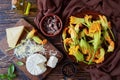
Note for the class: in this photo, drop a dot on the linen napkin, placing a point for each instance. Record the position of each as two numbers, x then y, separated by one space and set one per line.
110 68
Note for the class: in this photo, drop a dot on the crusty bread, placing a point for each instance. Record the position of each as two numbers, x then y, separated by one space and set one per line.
13 35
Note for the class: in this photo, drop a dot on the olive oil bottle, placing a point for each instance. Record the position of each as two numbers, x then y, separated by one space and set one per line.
24 7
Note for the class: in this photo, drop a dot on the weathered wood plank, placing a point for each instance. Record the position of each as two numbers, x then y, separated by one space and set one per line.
5 1
5 7
4 26
2 35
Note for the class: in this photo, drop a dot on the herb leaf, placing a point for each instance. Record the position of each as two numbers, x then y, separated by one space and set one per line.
10 75
19 63
11 69
3 76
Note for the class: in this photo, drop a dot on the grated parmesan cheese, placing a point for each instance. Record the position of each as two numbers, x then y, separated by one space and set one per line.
28 48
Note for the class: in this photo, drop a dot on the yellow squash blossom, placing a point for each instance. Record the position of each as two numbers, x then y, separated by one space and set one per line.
106 25
100 56
74 50
109 40
88 19
77 28
96 38
31 34
73 35
38 40
76 20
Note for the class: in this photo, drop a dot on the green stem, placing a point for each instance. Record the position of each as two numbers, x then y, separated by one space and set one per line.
16 46
79 57
27 11
90 61
111 34
26 30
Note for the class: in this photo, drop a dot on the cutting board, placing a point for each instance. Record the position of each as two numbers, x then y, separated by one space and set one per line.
48 46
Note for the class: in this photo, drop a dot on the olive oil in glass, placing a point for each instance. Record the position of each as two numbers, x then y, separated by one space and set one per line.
24 7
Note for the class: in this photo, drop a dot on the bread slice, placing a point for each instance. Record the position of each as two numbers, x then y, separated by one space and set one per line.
13 35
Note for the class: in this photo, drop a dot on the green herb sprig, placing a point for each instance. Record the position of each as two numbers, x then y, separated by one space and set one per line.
19 63
10 75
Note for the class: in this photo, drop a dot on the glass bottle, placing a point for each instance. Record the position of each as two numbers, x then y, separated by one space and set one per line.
24 7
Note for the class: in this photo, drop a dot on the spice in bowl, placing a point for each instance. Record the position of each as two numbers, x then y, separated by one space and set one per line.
69 69
50 25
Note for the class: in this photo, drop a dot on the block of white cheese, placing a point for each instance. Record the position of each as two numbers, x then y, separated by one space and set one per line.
35 64
13 35
52 61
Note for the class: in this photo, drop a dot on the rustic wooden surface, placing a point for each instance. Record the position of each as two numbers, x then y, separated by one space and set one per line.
8 19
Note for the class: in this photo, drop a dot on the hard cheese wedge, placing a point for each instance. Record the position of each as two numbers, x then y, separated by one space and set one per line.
13 35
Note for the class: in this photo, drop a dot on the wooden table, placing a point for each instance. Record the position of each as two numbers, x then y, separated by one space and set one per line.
8 19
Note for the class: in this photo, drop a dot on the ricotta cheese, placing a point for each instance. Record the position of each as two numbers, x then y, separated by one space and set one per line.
52 61
35 64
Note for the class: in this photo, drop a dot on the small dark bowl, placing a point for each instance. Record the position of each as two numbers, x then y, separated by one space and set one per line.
69 69
50 25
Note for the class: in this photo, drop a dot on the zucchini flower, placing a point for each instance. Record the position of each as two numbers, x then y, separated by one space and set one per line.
111 47
106 25
73 35
96 38
104 22
88 20
96 35
97 41
89 55
87 33
82 34
85 47
66 42
100 56
31 34
95 27
38 40
44 41
64 34
74 50
109 40
77 28
76 20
